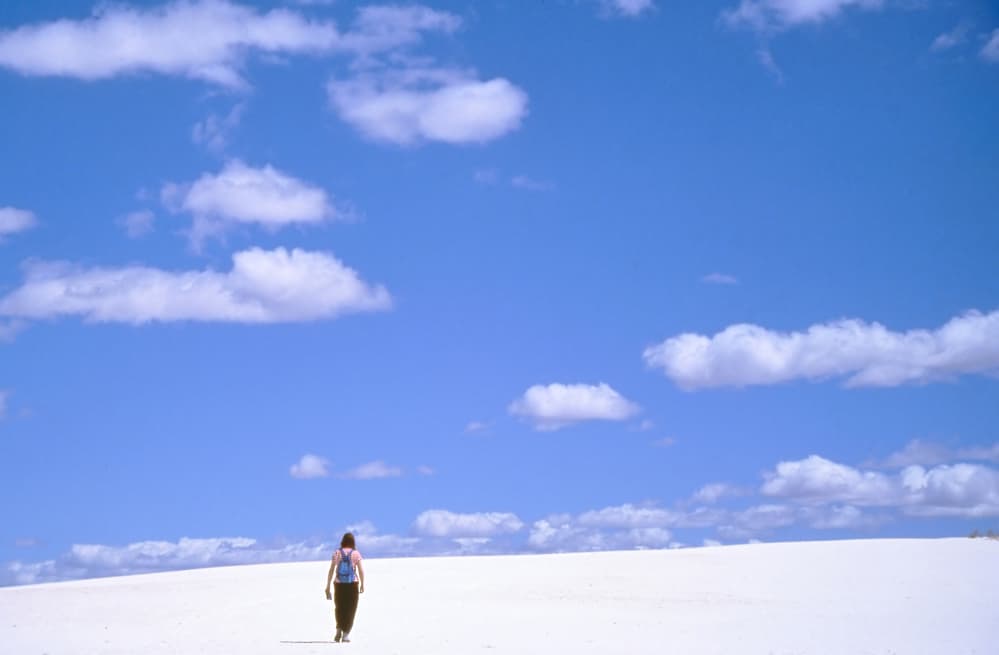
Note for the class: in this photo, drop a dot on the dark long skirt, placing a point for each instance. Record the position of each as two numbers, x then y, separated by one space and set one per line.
345 597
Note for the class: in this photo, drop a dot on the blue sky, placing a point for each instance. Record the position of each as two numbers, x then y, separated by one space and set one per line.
492 277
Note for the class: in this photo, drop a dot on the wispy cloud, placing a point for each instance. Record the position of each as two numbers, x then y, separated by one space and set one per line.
137 224
476 426
13 221
627 8
867 354
373 471
776 15
3 403
951 38
309 467
927 453
990 51
554 406
213 132
529 183
719 278
264 286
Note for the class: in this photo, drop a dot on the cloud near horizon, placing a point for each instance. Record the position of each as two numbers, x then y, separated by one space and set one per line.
965 490
555 406
443 523
263 286
866 354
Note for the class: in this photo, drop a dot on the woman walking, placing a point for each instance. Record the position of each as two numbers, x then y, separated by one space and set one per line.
348 570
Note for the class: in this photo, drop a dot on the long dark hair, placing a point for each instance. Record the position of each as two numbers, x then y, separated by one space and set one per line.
347 541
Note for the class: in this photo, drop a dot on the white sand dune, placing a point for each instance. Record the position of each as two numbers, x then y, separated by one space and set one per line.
905 597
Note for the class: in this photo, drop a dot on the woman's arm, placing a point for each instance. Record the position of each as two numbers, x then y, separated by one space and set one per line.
360 575
329 577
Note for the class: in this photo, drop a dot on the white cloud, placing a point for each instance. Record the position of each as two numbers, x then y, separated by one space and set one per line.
137 224
13 221
868 354
10 329
712 493
442 523
476 426
842 517
629 8
486 176
711 543
309 467
380 28
628 516
950 39
775 15
719 278
757 519
529 184
199 39
214 131
945 490
241 194
819 479
373 471
561 533
414 105
426 470
990 51
554 406
264 286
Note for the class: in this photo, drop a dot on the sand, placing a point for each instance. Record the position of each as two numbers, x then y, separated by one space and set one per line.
905 597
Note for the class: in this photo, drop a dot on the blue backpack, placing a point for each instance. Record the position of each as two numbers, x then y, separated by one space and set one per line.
345 569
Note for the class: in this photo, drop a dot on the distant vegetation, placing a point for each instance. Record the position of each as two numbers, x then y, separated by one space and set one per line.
975 534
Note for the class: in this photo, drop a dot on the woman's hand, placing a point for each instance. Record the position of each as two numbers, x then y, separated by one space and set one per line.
361 590
329 596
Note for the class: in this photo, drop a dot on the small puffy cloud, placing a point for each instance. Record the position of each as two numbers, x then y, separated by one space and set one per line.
415 105
777 15
309 467
719 278
990 51
442 523
628 8
867 354
137 224
373 471
950 39
712 493
206 40
213 132
554 406
13 221
241 194
264 286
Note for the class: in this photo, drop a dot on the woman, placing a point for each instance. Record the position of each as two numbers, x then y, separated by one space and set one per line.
347 568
